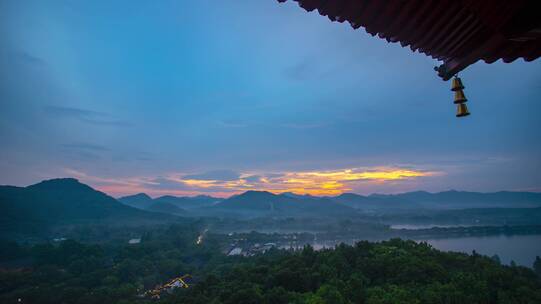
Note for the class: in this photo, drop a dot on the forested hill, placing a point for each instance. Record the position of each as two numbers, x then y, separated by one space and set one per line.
263 203
393 271
441 200
34 208
168 203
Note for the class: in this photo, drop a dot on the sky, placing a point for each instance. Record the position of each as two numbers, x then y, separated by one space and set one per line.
219 97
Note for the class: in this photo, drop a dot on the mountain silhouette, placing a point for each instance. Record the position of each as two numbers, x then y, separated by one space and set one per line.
140 200
164 207
462 199
143 201
61 201
263 203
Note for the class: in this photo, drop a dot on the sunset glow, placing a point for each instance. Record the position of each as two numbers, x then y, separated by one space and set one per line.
319 183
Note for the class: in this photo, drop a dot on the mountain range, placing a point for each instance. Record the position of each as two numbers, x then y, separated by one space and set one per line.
262 203
67 200
247 204
463 199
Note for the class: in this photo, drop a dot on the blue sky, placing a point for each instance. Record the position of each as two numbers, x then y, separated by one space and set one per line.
187 97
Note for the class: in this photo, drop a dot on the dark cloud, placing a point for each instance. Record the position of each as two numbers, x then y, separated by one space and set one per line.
167 184
221 175
83 151
303 125
82 155
85 146
232 124
300 71
27 58
253 178
143 156
274 175
86 116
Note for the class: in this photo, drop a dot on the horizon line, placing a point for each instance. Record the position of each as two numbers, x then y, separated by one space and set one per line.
269 191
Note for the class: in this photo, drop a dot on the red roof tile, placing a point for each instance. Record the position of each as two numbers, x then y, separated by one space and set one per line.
458 32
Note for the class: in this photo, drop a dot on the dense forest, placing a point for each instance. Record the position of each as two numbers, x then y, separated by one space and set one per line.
393 271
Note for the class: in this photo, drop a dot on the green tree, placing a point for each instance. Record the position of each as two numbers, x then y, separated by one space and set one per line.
277 295
330 294
537 266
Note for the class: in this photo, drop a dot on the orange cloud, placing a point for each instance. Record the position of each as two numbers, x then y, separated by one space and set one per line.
313 182
319 183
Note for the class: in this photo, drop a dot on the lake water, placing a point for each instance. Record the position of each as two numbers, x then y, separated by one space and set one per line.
417 227
519 248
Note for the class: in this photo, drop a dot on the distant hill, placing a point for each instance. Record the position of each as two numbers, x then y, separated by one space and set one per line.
262 203
187 203
61 201
174 204
465 217
375 203
421 200
164 207
466 200
291 194
140 200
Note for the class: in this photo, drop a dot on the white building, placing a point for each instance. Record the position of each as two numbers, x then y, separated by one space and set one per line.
235 251
134 241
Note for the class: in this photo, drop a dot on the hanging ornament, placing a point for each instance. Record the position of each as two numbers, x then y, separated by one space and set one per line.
462 110
460 97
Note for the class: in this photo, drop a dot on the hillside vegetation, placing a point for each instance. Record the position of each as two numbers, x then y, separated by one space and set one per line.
394 271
